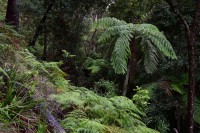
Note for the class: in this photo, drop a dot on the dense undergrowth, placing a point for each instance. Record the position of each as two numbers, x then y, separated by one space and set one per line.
27 82
81 93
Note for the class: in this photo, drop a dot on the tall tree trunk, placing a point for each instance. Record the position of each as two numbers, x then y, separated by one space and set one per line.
191 93
190 31
40 26
12 13
132 64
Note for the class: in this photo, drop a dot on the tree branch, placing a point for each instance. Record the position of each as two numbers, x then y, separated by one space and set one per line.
177 12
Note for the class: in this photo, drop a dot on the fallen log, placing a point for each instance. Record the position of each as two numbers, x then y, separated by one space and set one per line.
42 109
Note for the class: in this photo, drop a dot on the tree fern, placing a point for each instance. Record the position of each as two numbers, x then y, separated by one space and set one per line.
153 42
105 23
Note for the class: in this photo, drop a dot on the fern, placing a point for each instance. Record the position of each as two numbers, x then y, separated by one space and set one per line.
197 110
51 70
196 107
121 54
95 65
153 42
72 99
105 23
143 129
93 113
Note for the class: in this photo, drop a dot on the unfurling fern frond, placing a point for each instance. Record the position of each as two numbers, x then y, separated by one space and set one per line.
153 41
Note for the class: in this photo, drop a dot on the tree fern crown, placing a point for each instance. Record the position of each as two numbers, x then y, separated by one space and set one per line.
153 43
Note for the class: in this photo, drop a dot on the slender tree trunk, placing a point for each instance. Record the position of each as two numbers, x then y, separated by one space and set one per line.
190 31
44 56
191 93
12 13
125 87
40 26
132 67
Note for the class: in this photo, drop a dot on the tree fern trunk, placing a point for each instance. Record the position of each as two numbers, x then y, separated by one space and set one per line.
125 87
132 67
133 61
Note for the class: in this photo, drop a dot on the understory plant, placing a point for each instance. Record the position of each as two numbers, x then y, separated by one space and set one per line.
91 113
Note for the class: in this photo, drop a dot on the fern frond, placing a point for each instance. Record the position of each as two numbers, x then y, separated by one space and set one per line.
105 23
69 99
114 31
92 126
150 59
121 54
125 103
143 129
156 43
151 33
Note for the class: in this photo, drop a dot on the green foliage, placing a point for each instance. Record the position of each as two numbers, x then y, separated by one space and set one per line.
95 65
67 54
163 126
41 127
23 83
197 110
135 11
2 10
196 107
93 113
2 17
9 36
152 41
178 83
141 97
28 61
15 98
160 104
98 110
105 88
